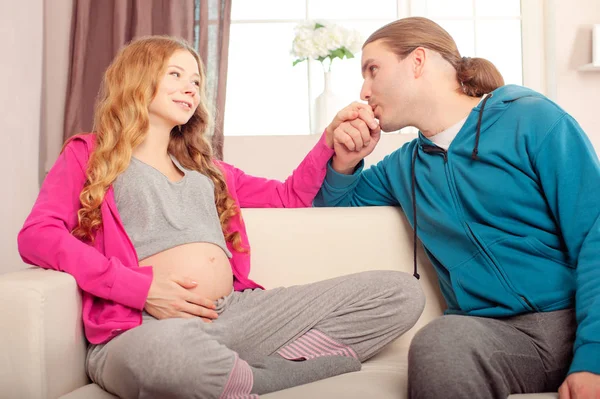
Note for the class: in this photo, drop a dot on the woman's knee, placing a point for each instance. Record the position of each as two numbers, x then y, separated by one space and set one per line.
386 281
401 294
163 360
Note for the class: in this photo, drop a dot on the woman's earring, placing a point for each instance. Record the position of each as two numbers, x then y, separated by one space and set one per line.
179 127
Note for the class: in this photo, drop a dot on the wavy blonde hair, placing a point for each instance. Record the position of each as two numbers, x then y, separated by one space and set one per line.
121 123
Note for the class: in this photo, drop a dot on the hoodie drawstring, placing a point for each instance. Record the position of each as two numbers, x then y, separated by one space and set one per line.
478 133
414 201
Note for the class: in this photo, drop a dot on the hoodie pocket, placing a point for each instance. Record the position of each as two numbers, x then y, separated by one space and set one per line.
535 271
548 252
480 291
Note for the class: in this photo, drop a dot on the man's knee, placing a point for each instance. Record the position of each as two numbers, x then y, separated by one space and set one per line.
445 339
433 356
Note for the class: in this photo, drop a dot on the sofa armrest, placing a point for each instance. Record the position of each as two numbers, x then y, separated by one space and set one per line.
42 345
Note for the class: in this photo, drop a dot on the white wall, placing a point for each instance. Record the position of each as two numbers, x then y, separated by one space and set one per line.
21 36
576 91
57 33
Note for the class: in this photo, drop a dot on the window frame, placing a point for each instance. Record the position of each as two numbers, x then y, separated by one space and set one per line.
536 63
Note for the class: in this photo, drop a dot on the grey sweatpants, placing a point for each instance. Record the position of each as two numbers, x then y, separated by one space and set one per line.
262 341
476 357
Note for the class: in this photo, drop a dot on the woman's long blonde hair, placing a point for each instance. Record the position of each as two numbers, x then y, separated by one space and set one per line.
121 123
477 76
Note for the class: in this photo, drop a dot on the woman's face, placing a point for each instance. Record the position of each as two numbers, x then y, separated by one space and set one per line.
177 95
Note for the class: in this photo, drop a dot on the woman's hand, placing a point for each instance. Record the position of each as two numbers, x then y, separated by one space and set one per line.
350 113
170 297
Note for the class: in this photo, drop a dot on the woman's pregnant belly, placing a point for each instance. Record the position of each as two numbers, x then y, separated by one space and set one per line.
203 262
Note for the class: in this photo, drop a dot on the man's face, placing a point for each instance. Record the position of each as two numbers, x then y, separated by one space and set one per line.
389 85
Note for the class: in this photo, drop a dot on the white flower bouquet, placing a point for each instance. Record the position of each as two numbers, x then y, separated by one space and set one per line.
324 41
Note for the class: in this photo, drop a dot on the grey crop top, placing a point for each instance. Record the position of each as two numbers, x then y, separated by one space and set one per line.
159 214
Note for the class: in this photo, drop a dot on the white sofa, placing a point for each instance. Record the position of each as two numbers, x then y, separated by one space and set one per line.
42 347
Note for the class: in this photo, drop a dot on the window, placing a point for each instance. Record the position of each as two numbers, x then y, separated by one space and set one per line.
489 29
266 95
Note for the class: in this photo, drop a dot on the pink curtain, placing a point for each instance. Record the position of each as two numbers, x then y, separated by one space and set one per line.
213 20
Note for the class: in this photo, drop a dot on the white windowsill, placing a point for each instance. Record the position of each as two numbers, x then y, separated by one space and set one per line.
589 67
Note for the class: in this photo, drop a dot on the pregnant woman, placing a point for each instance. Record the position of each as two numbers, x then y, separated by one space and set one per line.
149 225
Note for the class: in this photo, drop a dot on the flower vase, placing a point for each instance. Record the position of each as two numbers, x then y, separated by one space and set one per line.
325 107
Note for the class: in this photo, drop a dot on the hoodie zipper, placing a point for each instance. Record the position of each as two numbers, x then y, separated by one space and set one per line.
451 183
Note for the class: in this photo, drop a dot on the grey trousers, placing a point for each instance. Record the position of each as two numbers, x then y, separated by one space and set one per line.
476 357
262 341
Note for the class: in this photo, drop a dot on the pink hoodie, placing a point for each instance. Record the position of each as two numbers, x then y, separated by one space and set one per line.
114 285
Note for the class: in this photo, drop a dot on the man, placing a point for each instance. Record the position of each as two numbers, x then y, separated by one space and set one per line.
503 188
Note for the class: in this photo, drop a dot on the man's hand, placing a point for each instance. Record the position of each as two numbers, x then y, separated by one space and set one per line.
353 141
353 134
581 385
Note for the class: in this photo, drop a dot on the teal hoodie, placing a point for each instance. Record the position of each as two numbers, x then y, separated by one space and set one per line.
509 216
